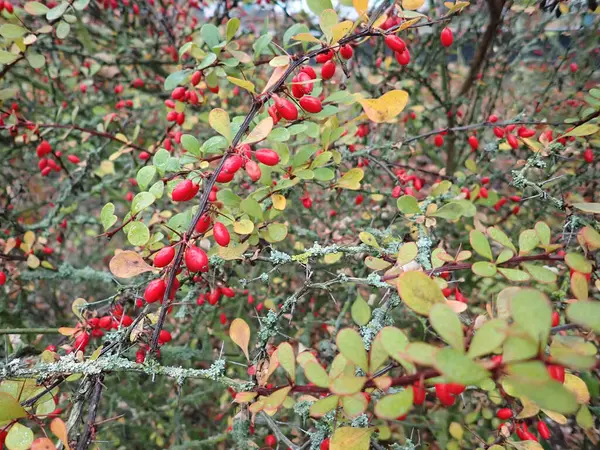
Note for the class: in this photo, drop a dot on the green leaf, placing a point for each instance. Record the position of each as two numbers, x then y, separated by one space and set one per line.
318 6
514 274
324 405
218 119
543 232
12 31
592 208
10 409
276 399
327 20
539 273
407 204
447 324
293 31
19 437
324 174
519 345
107 217
175 79
421 353
347 385
394 341
354 405
573 351
360 311
528 240
138 234
419 292
161 159
315 373
533 312
157 189
207 61
62 30
276 232
145 176
232 26
450 211
287 360
578 263
480 244
261 44
496 234
80 5
490 336
7 57
252 207
586 314
36 8
484 269
458 368
351 179
191 144
141 201
584 418
210 35
586 129
351 345
56 12
393 406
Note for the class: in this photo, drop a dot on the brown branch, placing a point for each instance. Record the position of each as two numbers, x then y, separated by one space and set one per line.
89 430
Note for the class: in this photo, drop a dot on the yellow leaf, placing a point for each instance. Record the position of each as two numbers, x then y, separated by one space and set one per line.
347 438
279 202
386 107
412 4
281 60
275 400
557 417
306 37
276 75
218 119
419 292
66 331
530 409
340 30
245 84
29 238
408 23
33 262
361 6
351 179
260 132
244 397
77 306
127 264
578 387
58 427
239 332
244 226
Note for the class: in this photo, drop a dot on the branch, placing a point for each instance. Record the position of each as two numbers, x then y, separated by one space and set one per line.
89 430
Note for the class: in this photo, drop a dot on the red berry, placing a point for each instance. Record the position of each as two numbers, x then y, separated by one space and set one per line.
418 393
196 259
512 141
322 58
555 318
403 58
543 430
43 149
81 341
74 159
253 170
106 322
346 51
196 77
588 155
223 318
499 132
164 336
267 156
328 70
443 394
2 278
557 372
504 414
155 291
573 67
308 70
270 440
184 191
446 37
474 143
286 109
203 223
483 192
221 234
178 93
307 202
438 141
525 132
324 444
394 43
311 104
232 164
455 388
164 256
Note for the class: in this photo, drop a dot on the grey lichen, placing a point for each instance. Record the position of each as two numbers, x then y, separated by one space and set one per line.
278 257
68 272
302 409
268 328
379 319
361 421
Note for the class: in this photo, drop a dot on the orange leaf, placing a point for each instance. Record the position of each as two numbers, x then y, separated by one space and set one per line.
42 444
127 264
58 427
239 332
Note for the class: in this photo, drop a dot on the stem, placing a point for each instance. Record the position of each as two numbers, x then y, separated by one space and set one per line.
29 331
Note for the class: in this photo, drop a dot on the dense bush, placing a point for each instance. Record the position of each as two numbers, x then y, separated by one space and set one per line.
349 226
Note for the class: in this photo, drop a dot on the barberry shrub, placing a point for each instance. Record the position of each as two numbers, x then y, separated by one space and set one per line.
371 224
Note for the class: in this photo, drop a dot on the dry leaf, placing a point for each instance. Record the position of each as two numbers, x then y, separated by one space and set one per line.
128 264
